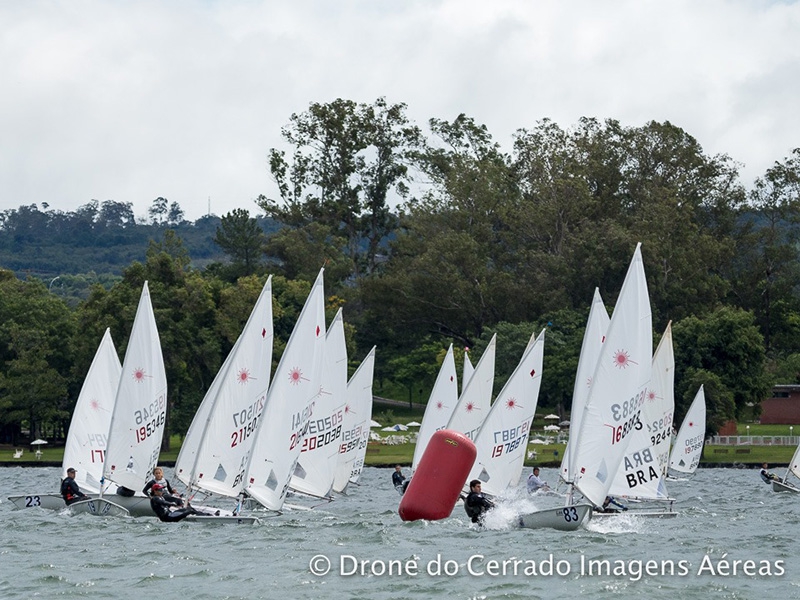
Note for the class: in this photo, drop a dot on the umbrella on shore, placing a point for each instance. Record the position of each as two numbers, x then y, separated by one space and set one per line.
551 416
552 428
38 442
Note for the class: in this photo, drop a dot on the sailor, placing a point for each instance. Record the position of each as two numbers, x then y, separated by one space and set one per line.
475 503
69 488
535 482
398 478
608 508
767 476
163 507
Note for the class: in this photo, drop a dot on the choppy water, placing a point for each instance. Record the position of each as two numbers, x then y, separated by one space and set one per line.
726 515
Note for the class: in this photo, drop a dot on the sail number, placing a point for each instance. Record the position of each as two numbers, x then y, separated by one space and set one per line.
570 514
626 409
145 431
246 420
351 440
619 432
241 434
149 412
501 449
247 414
318 441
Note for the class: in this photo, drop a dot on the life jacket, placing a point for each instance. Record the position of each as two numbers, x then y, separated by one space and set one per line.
66 489
473 510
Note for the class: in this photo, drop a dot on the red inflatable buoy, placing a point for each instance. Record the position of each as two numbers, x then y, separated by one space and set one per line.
439 478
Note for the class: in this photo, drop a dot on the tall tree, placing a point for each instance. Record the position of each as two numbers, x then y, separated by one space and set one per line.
769 272
241 238
349 159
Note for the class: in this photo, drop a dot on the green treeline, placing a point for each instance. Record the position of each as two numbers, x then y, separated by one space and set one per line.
429 238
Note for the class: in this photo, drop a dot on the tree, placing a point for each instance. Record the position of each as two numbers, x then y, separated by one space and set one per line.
768 270
241 238
348 159
158 211
726 342
175 214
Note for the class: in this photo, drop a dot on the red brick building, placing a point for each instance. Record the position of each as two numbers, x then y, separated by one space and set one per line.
783 408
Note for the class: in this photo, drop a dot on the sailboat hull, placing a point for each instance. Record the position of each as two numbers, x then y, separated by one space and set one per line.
780 486
136 506
567 518
662 514
223 519
99 507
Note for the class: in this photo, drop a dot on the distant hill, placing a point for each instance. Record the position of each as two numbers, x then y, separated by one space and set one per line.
70 252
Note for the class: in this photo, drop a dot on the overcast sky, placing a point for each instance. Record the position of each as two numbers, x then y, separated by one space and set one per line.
130 101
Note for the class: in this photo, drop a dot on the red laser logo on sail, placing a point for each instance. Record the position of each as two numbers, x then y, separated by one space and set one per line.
622 359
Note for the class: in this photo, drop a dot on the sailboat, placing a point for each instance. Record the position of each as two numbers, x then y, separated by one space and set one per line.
290 405
316 467
441 404
468 370
355 430
643 470
688 446
503 437
618 390
217 446
137 421
593 338
88 431
794 468
475 401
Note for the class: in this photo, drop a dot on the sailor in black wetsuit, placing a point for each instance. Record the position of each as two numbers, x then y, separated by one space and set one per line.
69 489
397 479
476 504
767 476
162 507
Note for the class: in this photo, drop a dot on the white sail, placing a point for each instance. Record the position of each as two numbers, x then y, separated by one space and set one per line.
659 411
618 390
794 464
503 438
593 337
140 409
355 432
688 446
468 370
475 400
217 447
642 472
290 404
441 404
88 429
316 467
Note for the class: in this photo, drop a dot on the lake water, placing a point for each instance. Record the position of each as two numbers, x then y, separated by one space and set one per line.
727 515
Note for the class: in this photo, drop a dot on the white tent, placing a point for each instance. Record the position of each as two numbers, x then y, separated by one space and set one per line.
414 424
374 424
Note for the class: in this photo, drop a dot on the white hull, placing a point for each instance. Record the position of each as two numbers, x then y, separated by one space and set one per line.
567 518
99 507
224 519
662 514
136 506
780 486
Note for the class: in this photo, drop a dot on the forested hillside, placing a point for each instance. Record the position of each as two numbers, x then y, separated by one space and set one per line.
427 238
